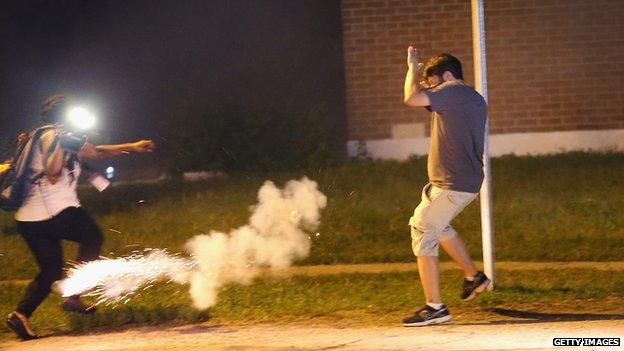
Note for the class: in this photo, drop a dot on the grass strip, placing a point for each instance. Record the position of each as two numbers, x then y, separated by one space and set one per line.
552 208
351 298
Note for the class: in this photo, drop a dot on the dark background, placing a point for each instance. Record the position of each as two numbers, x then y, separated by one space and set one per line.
140 62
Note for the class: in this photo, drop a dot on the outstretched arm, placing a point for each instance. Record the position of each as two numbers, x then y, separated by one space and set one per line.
94 152
413 94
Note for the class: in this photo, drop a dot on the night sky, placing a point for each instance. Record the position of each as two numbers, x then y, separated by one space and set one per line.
136 61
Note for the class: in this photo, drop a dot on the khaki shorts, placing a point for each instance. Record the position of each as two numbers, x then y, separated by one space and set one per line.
432 218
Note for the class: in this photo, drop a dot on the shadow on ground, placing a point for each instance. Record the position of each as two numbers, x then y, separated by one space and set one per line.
528 317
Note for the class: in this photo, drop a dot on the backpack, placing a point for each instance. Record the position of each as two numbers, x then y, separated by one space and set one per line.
16 175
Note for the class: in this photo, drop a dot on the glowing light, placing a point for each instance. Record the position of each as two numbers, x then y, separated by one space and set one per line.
81 118
110 172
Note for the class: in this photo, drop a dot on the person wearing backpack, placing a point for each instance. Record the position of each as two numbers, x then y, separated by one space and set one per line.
50 210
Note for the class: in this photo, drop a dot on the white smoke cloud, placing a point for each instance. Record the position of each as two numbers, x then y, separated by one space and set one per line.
273 238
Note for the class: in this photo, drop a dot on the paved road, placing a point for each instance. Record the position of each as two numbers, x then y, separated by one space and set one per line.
507 335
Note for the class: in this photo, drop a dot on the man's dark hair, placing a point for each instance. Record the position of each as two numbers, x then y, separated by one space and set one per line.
53 107
437 65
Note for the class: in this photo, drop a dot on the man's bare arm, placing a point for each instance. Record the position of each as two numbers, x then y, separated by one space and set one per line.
413 94
94 152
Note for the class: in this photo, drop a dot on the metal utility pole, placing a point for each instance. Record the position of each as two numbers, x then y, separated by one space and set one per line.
480 73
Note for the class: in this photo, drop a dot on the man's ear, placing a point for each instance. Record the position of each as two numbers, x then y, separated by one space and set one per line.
448 76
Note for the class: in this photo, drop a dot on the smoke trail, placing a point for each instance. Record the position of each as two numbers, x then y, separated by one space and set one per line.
113 280
273 238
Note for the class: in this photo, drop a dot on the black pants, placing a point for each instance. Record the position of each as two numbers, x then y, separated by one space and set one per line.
44 240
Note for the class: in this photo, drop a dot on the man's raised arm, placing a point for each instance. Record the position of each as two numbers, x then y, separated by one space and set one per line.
413 94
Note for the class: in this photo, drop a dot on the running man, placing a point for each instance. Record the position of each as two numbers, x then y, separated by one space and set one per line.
455 169
51 212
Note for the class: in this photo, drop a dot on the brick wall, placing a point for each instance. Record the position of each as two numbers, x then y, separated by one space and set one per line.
552 64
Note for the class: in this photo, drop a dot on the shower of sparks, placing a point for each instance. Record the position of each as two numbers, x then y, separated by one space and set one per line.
115 280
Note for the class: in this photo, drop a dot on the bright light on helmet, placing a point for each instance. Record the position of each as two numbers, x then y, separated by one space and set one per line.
80 118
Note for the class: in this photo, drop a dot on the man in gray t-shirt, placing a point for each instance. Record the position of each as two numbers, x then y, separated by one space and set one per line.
457 131
455 168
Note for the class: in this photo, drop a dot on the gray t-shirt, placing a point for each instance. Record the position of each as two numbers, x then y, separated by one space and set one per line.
457 133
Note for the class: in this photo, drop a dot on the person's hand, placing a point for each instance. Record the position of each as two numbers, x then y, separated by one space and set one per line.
412 58
143 146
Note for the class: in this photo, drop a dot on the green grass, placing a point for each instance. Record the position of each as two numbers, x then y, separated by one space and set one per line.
554 208
381 298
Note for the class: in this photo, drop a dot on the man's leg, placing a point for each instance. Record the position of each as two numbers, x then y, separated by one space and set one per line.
454 247
425 246
76 225
475 282
49 256
425 240
429 272
433 215
79 227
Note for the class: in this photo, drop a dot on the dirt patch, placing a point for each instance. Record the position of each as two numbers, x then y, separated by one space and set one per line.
522 326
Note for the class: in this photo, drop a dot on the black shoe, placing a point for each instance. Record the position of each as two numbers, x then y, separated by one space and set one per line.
19 324
426 316
475 287
75 304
